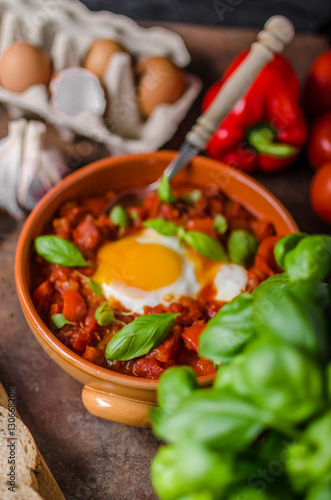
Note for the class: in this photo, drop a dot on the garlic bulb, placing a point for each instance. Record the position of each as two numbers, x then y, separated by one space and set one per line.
27 168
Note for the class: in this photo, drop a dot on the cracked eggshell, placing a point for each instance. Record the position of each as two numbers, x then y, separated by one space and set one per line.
23 65
75 91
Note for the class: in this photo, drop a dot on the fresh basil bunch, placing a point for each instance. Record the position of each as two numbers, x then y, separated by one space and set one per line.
271 400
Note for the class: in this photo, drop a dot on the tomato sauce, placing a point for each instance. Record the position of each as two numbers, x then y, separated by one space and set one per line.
62 290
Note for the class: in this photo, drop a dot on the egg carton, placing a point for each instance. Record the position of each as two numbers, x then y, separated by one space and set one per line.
66 29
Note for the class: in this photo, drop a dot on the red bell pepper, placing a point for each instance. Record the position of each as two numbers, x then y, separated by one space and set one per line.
266 128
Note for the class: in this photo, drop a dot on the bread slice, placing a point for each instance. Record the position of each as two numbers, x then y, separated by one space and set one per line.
21 493
25 456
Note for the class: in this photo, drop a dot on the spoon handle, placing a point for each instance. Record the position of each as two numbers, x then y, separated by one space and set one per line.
277 33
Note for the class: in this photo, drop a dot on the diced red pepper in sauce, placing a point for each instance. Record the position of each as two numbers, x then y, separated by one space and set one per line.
59 289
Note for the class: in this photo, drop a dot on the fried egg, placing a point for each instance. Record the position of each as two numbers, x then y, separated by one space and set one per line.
148 269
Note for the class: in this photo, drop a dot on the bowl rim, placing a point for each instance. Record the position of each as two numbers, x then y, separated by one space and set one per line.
24 295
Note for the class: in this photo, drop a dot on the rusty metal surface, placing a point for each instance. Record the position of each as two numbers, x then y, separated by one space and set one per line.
90 458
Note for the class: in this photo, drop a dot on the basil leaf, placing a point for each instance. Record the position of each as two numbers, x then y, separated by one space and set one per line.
310 259
277 377
99 310
309 460
104 315
243 491
214 418
242 247
175 385
227 333
285 245
140 336
165 227
192 197
133 215
220 224
164 191
205 245
294 313
184 470
95 287
59 251
276 281
321 491
118 215
58 321
180 233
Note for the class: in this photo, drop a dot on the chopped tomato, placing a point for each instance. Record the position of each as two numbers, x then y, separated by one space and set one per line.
191 336
148 368
74 306
167 350
204 367
86 234
205 225
93 354
42 292
95 205
80 340
265 264
265 255
261 229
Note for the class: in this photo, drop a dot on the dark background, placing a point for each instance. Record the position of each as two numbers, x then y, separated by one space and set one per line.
307 15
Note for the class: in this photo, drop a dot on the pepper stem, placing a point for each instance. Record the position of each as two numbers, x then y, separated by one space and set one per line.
262 137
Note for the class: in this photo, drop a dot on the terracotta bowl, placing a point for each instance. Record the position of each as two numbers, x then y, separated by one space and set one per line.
108 394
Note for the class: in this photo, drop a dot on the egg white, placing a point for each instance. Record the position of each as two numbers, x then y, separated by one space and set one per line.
230 279
135 299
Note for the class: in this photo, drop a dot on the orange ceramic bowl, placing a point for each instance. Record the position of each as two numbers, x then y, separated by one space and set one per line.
107 394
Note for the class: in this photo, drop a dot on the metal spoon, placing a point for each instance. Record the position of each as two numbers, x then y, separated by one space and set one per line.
277 33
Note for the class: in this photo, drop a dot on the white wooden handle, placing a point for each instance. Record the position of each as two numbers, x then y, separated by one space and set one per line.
277 33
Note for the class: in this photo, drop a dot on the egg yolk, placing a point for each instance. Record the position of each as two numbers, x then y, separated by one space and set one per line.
147 266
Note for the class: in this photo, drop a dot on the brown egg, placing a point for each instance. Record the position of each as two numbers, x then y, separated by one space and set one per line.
99 54
160 81
23 65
